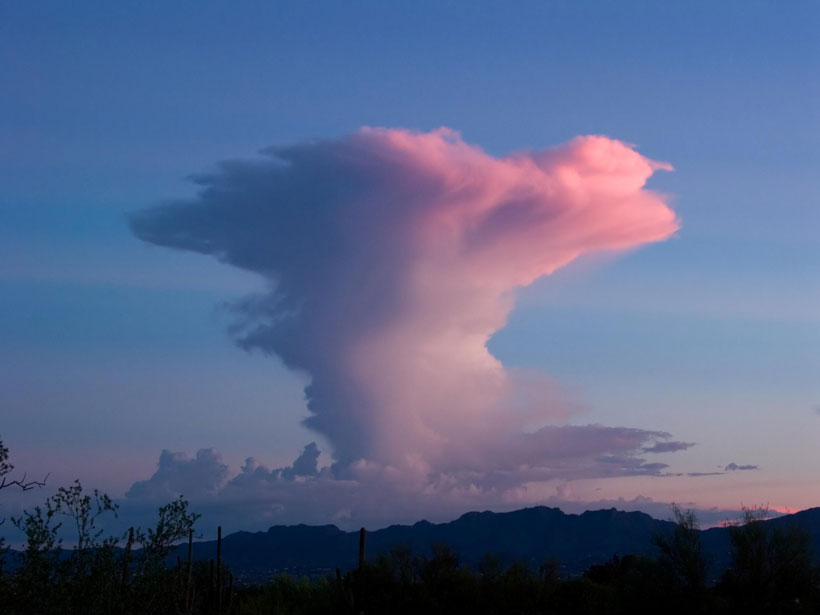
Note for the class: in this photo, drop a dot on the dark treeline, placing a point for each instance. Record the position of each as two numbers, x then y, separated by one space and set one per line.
771 570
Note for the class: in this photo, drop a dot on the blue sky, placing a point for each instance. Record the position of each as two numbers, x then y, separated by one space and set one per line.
114 350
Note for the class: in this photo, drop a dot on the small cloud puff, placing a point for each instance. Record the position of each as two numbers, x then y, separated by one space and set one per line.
733 467
177 474
668 447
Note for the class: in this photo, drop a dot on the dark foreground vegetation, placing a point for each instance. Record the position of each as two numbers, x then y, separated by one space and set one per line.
771 571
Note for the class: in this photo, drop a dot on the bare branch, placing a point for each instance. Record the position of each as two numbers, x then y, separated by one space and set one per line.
22 483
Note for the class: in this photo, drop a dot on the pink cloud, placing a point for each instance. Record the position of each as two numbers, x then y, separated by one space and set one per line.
393 256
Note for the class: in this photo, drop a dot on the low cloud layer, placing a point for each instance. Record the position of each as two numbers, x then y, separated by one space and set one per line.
257 497
392 257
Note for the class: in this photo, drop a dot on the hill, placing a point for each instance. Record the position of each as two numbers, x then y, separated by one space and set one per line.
530 535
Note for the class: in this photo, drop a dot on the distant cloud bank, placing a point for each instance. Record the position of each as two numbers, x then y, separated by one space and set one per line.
392 256
258 497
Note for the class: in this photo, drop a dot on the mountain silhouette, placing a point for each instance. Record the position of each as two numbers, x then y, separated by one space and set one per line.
530 535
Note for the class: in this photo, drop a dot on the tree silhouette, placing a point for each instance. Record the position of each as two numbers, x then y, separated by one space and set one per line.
772 566
6 468
683 561
681 550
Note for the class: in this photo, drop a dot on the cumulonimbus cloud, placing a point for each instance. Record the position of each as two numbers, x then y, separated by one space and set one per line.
392 256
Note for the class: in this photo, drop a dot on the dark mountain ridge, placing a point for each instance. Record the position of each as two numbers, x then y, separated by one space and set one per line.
530 535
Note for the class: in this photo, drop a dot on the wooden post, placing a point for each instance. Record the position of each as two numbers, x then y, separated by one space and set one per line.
361 548
230 592
126 559
359 585
180 582
219 569
211 585
189 572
